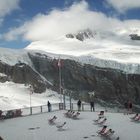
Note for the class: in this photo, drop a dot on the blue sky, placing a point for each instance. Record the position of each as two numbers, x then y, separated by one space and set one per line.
23 12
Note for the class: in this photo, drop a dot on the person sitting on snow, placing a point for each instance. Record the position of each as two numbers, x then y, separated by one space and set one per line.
101 114
134 117
103 121
52 120
102 130
99 118
60 127
137 118
109 132
74 116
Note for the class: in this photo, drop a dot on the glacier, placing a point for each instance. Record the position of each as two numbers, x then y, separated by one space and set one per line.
102 53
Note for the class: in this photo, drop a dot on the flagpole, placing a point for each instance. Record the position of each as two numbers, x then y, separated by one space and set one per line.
30 94
31 91
60 82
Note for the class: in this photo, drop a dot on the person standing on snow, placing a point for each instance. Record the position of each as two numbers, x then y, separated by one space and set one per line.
92 106
49 106
79 105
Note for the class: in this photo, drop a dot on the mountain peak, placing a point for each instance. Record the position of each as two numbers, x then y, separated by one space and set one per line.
82 35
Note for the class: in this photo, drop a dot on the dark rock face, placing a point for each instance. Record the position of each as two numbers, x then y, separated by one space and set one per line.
82 35
109 84
22 73
134 37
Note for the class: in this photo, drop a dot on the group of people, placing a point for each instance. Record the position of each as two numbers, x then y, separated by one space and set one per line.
10 114
105 131
79 103
72 114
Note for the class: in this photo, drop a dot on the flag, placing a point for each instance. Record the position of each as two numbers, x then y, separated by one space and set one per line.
59 63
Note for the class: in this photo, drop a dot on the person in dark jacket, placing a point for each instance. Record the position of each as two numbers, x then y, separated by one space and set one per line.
1 138
49 106
130 107
79 105
92 106
126 107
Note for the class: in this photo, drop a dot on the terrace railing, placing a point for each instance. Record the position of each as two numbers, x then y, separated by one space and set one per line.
59 106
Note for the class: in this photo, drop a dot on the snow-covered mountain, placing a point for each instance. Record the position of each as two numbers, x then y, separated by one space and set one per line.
104 62
102 49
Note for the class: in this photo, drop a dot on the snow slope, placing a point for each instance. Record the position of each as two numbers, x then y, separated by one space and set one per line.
13 95
13 56
73 130
100 52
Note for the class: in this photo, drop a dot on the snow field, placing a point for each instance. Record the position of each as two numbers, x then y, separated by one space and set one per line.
22 128
14 96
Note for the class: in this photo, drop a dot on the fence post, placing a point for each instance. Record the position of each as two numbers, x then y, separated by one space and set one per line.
41 108
71 106
30 110
61 106
64 103
82 107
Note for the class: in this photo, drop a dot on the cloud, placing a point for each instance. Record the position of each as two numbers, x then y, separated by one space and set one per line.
124 5
70 20
6 6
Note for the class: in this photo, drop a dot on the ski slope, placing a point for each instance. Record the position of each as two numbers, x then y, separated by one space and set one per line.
36 127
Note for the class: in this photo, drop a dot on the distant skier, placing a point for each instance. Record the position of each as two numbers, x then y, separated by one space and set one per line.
49 106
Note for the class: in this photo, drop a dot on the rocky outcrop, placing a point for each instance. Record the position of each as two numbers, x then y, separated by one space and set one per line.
134 37
82 35
22 73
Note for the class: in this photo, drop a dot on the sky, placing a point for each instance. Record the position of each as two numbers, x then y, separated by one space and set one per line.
25 21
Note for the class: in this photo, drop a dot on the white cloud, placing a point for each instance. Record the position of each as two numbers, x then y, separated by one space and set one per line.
124 5
60 22
6 6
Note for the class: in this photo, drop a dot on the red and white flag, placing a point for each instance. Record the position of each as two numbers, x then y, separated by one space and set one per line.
59 63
